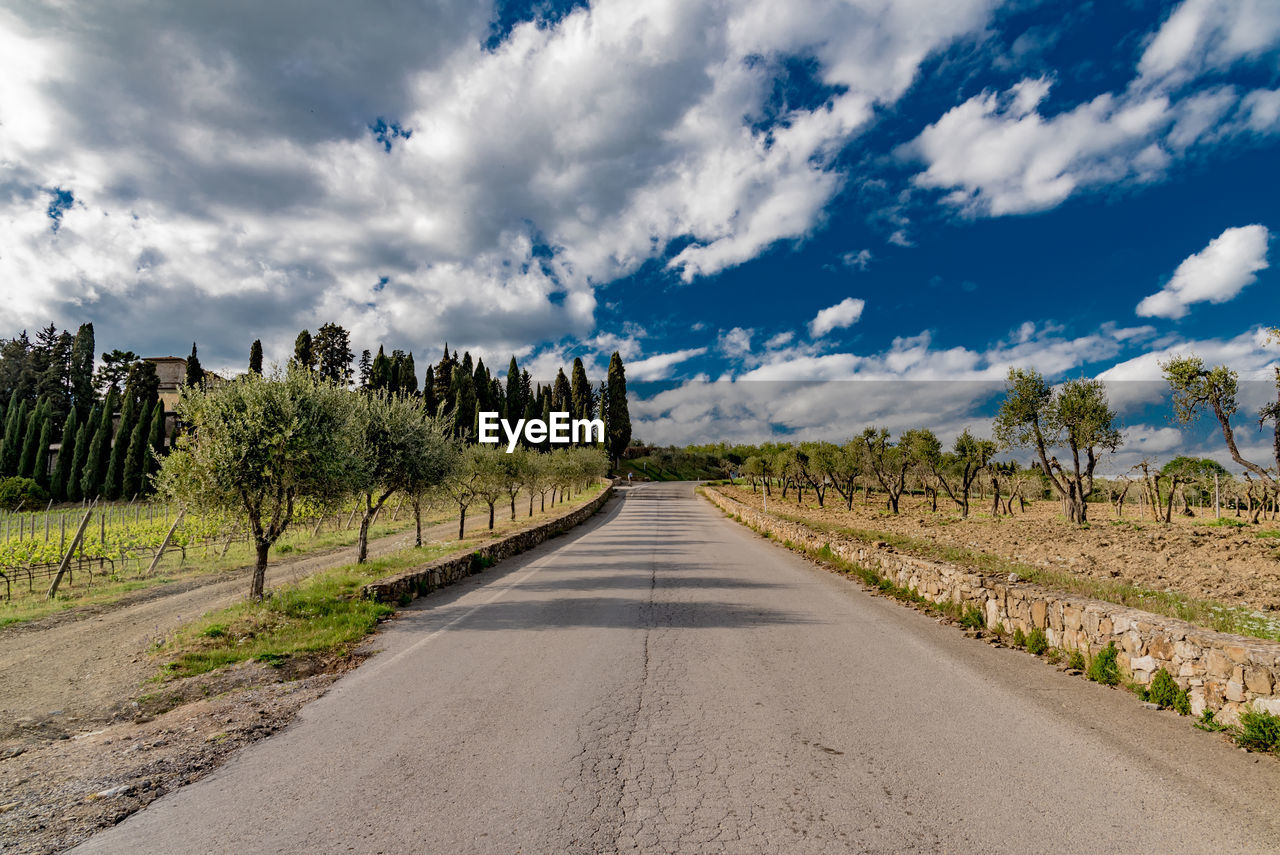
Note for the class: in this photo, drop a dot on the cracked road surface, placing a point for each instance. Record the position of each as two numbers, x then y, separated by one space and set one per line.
663 680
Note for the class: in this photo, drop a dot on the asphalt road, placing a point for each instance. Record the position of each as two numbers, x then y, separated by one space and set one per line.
663 680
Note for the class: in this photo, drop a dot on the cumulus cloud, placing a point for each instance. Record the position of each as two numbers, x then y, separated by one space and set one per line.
1215 274
843 314
292 156
735 342
660 365
859 260
1002 152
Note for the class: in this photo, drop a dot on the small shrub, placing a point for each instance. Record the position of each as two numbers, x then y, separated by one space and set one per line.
1165 692
24 492
1019 638
1207 722
1036 642
1103 668
405 599
1259 730
971 618
1075 660
999 630
215 630
1053 655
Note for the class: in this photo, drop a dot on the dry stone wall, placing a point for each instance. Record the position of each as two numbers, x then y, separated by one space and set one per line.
446 571
1221 672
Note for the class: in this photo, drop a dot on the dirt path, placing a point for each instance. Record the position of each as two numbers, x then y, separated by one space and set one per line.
83 668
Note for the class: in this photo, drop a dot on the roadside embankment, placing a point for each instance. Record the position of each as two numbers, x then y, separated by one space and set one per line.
403 587
1223 673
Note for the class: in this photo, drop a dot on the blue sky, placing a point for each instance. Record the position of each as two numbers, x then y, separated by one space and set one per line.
729 193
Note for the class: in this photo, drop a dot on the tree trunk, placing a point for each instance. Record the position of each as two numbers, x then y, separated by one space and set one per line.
513 506
362 541
491 504
417 520
462 522
259 572
530 503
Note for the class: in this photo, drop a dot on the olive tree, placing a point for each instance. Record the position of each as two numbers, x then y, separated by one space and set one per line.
1074 416
1197 387
257 446
888 462
401 448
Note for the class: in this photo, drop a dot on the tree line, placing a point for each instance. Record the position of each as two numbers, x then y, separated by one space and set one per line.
109 428
259 445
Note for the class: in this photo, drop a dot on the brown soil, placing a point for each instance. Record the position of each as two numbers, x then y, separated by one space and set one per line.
58 794
1232 565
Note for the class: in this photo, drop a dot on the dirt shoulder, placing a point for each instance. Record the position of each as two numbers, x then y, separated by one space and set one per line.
1232 565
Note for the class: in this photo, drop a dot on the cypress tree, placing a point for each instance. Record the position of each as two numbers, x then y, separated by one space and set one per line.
42 452
366 365
561 395
408 376
515 403
66 457
464 393
195 373
393 375
480 378
617 421
95 460
11 450
444 380
156 440
429 392
107 424
302 352
113 486
30 442
82 350
380 373
135 462
255 356
580 391
74 493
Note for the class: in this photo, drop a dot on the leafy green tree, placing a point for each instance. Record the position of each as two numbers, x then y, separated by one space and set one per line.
1197 387
195 372
380 372
66 457
133 482
143 384
463 392
83 438
113 487
255 356
14 431
402 449
1075 416
155 439
580 392
42 452
333 354
459 484
491 476
303 352
91 473
31 442
429 392
261 444
115 370
407 381
617 421
83 395
515 400
561 394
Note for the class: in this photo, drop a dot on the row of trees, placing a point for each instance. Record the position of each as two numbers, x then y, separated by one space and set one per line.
257 446
462 387
99 453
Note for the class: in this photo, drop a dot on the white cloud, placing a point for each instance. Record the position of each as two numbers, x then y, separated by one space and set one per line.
1205 35
1002 153
841 315
781 339
1215 274
736 342
226 163
659 366
859 260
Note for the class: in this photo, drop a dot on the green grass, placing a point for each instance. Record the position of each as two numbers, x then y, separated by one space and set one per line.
1202 612
1223 522
323 614
1270 533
